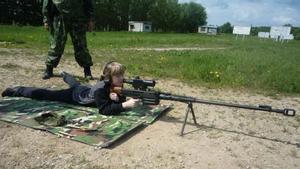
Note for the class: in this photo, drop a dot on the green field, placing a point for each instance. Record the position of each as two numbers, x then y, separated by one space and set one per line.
253 64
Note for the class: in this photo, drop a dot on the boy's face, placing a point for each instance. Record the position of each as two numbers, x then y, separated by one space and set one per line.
117 80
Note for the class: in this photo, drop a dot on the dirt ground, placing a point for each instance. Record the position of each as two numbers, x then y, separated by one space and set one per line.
226 137
172 49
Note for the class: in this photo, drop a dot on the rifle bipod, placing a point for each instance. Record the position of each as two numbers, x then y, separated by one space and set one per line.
188 110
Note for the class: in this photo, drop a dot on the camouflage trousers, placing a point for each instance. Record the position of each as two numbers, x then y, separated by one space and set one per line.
59 29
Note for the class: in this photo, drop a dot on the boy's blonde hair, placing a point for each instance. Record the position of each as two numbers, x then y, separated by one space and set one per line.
112 69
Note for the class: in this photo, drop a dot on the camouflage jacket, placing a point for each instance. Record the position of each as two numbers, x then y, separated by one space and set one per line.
75 10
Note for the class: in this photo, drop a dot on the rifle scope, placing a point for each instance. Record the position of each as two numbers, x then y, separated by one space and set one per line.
140 84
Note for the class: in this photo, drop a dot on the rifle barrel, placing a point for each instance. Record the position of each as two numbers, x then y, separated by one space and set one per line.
185 99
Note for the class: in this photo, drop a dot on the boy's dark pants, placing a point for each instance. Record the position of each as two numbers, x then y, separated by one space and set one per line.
64 95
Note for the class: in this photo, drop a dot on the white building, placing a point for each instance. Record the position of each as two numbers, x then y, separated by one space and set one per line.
208 29
139 26
265 35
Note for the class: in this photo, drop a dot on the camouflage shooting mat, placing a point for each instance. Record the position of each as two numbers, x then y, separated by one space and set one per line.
83 124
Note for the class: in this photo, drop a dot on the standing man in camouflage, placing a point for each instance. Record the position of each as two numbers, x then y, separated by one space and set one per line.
68 16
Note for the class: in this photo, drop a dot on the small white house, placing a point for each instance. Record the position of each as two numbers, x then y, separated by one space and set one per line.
264 34
208 29
139 26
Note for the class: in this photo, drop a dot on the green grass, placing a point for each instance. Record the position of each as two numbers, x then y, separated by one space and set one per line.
264 66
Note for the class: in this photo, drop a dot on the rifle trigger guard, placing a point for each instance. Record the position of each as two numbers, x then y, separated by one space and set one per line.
289 112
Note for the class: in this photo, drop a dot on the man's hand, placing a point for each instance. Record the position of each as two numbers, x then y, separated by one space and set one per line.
46 26
90 25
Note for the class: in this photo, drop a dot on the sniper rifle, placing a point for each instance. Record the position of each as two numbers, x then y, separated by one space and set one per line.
143 90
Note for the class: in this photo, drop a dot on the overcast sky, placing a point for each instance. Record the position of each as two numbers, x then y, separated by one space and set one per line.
251 12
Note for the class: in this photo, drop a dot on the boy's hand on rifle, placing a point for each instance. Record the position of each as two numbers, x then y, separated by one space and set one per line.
114 97
131 103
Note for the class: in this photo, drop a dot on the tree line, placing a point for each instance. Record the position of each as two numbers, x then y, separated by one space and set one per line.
113 15
21 12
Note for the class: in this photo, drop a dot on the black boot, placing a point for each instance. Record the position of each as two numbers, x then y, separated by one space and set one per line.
88 73
10 92
48 73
